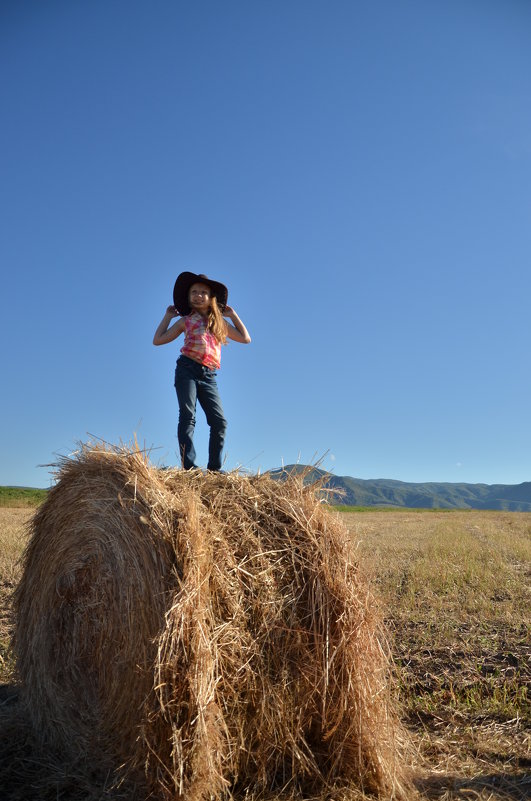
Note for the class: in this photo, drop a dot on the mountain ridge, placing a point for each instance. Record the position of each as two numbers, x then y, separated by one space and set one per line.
380 492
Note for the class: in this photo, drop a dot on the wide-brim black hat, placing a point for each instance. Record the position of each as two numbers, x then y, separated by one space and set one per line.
182 287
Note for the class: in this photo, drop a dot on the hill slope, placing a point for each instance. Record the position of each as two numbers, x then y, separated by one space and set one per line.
430 495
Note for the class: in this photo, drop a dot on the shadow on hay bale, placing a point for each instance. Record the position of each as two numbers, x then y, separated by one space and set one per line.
210 632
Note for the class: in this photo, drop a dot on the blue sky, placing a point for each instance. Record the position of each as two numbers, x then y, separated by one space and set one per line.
357 172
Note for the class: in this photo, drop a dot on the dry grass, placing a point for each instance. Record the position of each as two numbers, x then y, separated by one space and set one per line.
13 536
455 589
212 633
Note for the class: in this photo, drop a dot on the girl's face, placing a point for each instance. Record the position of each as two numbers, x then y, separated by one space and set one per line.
199 298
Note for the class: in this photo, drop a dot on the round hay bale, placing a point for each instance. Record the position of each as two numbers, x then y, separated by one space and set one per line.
212 631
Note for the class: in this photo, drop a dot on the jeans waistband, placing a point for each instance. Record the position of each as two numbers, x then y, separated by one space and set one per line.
192 362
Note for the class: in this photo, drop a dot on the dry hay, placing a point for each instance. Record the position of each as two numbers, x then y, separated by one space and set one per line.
209 631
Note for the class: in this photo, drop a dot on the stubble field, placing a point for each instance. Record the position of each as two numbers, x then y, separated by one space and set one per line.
455 588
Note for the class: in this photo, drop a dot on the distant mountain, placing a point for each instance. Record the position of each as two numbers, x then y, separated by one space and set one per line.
431 495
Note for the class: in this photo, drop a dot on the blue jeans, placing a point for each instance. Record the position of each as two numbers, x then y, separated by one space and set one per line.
193 383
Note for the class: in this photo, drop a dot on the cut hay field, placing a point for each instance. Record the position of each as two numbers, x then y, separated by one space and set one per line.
457 598
456 593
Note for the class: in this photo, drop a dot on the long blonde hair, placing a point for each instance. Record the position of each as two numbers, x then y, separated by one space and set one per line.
216 324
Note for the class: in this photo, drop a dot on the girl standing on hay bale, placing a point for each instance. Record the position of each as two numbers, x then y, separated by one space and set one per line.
202 305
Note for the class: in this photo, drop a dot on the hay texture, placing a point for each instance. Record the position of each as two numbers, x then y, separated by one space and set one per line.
211 633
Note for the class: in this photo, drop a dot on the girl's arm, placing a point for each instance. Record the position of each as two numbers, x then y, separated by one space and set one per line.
237 331
163 334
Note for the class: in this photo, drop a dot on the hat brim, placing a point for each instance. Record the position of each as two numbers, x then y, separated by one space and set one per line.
182 287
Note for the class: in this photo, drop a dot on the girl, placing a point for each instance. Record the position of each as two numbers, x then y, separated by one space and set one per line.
202 304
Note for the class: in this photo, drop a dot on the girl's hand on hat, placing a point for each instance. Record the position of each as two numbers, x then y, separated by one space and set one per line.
172 311
228 311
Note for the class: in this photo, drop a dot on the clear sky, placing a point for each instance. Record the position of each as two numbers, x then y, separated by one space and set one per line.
358 172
